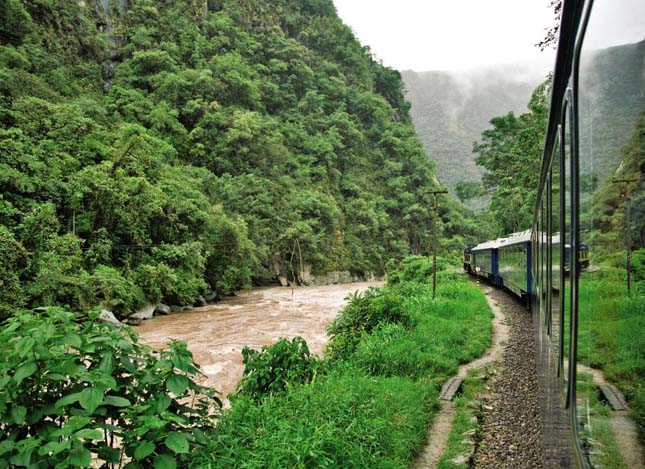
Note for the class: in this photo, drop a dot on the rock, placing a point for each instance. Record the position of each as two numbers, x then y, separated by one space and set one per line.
305 276
109 317
162 310
132 321
201 301
176 308
461 459
144 313
283 280
211 297
188 308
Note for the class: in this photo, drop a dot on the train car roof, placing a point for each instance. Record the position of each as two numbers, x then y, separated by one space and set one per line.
514 238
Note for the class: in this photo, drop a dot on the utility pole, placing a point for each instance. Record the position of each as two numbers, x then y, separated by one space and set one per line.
628 233
434 238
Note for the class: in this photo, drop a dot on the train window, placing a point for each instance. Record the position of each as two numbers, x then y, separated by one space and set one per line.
543 251
611 307
566 139
548 264
555 249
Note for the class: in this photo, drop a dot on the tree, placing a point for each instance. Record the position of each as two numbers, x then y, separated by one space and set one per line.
511 153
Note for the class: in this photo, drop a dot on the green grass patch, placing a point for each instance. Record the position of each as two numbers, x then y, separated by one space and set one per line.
345 419
455 328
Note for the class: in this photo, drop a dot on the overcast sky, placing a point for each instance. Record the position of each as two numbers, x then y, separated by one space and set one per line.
424 35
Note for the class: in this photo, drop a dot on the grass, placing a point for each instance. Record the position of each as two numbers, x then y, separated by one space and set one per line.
453 329
390 351
347 419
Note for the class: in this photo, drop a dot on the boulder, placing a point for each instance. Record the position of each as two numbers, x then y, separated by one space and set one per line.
109 317
201 301
132 321
144 313
283 280
162 310
176 308
188 308
211 297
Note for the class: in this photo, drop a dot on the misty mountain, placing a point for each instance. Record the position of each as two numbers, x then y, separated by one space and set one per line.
610 104
450 110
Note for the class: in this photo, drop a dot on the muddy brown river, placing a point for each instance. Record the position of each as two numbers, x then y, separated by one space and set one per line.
216 333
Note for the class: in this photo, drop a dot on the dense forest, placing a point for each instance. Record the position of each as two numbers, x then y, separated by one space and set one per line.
159 150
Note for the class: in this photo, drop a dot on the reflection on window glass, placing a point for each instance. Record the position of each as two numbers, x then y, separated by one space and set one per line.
555 251
611 317
565 248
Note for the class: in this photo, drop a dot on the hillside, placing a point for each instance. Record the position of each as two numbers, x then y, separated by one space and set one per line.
159 150
610 104
451 110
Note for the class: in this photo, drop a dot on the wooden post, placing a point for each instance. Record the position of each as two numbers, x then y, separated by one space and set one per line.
628 233
434 239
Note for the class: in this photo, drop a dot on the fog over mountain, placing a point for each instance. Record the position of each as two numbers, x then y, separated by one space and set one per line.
450 110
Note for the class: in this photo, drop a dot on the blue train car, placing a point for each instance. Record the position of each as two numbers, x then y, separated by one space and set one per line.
514 262
484 261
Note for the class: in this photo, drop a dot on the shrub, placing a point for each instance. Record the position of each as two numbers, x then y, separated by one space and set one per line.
109 289
276 366
70 390
413 269
638 265
363 313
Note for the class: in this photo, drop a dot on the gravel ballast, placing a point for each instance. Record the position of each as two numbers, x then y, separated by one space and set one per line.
511 427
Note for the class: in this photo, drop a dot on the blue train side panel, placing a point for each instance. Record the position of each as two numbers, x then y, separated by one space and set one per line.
497 279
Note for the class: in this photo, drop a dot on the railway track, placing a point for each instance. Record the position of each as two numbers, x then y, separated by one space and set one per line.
511 433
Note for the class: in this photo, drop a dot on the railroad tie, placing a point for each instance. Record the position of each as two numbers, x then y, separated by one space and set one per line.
614 396
450 388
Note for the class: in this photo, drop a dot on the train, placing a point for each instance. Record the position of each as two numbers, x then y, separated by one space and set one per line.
584 316
506 262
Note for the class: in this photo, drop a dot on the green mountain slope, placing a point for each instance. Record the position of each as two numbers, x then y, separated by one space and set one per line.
155 150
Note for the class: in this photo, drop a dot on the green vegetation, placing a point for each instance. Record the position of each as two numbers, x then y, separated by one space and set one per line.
369 402
157 150
69 391
272 369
